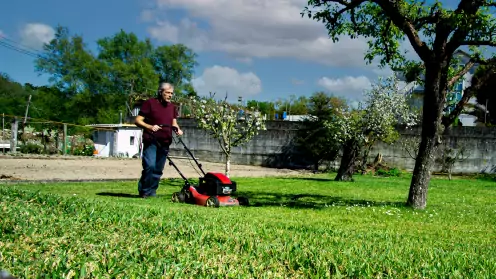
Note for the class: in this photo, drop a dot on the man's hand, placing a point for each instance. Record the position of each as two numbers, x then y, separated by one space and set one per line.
178 131
155 128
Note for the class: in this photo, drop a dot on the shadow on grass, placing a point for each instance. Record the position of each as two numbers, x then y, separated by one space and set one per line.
309 201
168 182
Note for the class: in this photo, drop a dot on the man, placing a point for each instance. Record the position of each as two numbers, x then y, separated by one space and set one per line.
156 139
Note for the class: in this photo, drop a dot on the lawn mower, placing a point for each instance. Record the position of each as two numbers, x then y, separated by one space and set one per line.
214 188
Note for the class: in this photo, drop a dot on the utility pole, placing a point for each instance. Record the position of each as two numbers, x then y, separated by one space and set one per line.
25 119
27 109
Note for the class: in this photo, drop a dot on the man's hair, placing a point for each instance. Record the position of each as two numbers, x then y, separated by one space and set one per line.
166 84
163 84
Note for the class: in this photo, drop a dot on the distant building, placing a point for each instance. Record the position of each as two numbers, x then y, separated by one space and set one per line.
117 140
416 93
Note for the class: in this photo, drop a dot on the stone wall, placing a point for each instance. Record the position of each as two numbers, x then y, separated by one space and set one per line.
273 148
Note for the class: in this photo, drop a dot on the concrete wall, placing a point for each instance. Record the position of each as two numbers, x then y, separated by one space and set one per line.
273 147
479 142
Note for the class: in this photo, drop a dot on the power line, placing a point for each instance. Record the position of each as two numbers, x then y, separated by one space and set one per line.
20 44
18 49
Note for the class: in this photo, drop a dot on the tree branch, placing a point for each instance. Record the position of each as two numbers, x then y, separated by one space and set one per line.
394 13
386 46
434 16
469 92
468 8
461 73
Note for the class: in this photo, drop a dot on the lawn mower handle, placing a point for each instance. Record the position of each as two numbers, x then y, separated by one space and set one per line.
174 128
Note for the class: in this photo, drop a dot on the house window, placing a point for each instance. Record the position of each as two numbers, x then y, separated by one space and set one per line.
131 140
459 86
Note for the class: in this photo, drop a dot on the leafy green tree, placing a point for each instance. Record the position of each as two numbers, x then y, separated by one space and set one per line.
293 105
435 33
313 139
176 64
128 61
265 108
66 59
13 96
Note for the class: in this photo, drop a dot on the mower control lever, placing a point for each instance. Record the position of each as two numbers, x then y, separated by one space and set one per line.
174 128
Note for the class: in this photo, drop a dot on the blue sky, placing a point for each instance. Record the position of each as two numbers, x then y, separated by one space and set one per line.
259 49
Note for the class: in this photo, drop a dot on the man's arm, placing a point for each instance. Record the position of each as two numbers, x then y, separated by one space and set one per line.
174 124
140 122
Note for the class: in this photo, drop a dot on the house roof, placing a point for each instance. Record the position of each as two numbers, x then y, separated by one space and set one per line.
112 125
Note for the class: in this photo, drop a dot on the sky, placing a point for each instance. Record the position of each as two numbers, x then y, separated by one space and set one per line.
258 49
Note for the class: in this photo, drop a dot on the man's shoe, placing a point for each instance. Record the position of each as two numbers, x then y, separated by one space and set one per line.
146 196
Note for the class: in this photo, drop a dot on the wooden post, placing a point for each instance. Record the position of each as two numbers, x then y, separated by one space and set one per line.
23 137
64 137
13 136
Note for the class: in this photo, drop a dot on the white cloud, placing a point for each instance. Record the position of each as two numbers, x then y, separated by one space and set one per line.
219 80
256 29
34 35
348 87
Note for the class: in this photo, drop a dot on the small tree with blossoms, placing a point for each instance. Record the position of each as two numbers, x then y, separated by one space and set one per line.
374 120
225 123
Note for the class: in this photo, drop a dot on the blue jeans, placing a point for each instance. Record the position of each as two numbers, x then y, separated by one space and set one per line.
153 162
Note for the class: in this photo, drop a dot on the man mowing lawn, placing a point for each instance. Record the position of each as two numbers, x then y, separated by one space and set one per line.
156 140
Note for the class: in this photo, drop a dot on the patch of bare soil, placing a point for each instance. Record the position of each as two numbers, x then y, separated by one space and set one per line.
29 167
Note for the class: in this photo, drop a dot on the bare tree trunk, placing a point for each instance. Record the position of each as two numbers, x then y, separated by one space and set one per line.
347 166
432 113
228 165
365 158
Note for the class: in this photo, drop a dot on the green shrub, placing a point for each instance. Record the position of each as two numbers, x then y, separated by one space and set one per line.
391 172
86 150
31 148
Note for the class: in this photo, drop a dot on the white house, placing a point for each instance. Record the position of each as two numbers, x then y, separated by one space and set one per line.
117 140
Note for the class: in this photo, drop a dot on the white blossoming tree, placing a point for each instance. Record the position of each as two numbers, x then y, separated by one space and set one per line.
374 120
225 123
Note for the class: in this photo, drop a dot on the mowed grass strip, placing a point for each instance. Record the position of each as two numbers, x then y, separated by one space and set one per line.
306 227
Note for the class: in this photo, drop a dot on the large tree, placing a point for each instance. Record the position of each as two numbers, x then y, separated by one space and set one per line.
435 34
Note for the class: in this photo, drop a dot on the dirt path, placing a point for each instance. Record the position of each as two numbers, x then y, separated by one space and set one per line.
84 168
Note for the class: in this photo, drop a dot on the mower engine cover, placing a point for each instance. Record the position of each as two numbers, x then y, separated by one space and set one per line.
217 184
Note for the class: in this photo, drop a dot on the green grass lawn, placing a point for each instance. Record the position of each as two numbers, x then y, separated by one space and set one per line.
308 227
